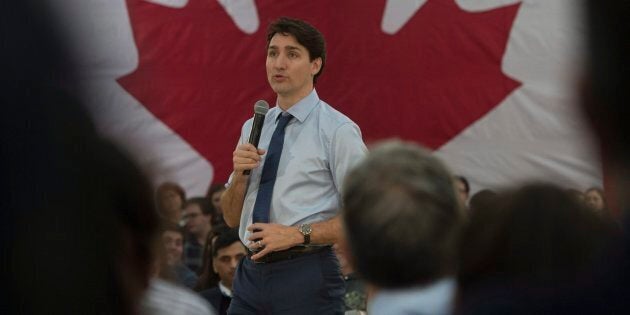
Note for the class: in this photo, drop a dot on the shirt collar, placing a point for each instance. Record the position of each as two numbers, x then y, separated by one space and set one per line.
303 108
227 292
434 298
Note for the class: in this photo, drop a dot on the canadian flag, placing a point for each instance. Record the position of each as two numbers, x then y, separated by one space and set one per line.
489 85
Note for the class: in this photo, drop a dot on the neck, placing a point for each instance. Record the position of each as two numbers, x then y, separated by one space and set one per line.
286 101
201 237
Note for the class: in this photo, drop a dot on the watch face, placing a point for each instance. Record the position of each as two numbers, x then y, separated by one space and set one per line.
306 229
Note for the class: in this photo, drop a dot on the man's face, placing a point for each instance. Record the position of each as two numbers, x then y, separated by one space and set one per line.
289 69
595 201
195 219
226 261
171 204
216 199
173 244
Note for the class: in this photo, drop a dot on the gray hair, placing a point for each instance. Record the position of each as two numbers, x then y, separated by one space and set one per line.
401 216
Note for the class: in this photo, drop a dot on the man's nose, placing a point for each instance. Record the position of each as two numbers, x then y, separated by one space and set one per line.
280 62
234 263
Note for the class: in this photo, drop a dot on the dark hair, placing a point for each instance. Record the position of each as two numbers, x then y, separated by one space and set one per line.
164 187
132 199
204 204
537 234
608 78
214 188
305 34
208 278
73 195
482 199
168 226
401 216
225 239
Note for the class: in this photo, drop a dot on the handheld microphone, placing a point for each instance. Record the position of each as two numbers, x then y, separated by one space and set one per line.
260 110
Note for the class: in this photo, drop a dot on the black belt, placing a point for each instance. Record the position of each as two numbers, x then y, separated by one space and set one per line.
287 254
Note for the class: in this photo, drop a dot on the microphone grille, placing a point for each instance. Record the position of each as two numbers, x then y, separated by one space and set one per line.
261 107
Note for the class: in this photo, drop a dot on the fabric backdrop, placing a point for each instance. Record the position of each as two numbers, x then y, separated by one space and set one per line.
488 84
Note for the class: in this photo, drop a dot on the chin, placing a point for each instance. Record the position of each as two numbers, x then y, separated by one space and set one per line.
276 89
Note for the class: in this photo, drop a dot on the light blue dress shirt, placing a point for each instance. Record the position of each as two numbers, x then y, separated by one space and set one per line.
320 146
436 298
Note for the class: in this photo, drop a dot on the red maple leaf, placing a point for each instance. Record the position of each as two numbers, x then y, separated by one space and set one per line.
440 73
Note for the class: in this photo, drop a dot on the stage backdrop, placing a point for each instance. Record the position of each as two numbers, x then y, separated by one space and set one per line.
488 84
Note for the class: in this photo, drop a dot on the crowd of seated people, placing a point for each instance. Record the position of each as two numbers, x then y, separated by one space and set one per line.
536 240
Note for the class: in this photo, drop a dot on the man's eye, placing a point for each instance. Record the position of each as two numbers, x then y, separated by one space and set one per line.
272 54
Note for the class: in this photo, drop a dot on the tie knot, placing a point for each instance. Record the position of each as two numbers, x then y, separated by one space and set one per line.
283 121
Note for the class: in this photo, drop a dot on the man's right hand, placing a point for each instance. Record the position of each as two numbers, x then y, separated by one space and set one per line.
246 157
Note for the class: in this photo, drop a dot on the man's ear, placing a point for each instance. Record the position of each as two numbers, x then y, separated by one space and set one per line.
316 66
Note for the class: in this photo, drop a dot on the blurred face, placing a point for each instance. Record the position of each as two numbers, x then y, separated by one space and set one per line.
216 199
462 194
171 205
226 261
196 221
594 200
289 69
173 244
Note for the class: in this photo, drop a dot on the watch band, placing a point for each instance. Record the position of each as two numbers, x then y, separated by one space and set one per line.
307 239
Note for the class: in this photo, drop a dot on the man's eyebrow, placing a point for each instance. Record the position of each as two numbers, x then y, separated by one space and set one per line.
274 47
293 48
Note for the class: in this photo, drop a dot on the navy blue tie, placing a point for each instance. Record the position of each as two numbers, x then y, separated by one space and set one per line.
269 171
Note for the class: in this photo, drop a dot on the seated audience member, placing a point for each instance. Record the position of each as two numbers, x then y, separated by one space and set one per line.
139 241
207 277
605 97
197 216
173 241
463 189
401 218
577 195
532 243
164 297
214 195
595 200
227 251
170 201
482 199
79 228
604 92
356 293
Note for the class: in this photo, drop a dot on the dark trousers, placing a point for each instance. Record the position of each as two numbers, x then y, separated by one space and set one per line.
309 284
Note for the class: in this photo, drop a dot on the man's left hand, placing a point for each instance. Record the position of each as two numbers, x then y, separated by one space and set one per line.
271 237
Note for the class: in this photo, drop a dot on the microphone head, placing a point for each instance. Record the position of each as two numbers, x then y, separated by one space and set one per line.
261 107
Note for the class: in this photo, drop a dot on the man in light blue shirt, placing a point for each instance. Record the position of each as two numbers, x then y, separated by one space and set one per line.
291 268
